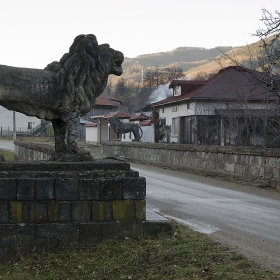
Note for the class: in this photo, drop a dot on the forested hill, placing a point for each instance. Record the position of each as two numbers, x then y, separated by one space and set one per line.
184 57
193 61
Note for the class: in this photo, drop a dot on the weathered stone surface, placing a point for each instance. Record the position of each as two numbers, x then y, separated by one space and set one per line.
59 211
65 211
48 166
45 189
140 210
67 233
90 233
4 212
19 212
26 189
134 188
76 203
66 189
81 211
8 189
150 228
111 189
124 210
53 211
38 212
102 211
122 229
46 231
89 189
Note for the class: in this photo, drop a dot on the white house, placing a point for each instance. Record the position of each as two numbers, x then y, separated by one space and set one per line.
97 132
237 106
24 124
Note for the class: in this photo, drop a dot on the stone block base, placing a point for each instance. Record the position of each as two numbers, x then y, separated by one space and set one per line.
44 205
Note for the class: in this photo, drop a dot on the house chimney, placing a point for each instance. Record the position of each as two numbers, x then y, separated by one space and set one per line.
273 69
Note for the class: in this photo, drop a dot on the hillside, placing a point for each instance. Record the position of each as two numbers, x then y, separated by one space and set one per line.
192 60
246 56
187 56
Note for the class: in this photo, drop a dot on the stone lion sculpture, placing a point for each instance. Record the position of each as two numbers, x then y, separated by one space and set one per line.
123 127
64 90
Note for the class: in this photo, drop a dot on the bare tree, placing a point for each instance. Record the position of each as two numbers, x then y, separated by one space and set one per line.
203 76
121 89
109 88
269 35
154 77
173 73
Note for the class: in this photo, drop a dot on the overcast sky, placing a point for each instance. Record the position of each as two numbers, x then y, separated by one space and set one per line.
37 32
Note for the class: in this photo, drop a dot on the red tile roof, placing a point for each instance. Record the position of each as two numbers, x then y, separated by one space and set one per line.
119 114
105 102
230 83
138 117
91 125
145 123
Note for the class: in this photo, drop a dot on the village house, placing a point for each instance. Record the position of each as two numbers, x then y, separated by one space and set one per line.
237 106
103 105
24 124
97 127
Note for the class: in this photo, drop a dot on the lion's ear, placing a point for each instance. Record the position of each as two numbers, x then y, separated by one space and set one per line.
104 47
92 38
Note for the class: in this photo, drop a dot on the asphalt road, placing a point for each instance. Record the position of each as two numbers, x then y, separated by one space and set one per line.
7 145
245 218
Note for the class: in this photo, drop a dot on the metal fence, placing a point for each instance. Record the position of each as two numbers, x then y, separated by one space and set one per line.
43 130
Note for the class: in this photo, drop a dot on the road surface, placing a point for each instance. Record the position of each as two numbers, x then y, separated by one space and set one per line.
245 218
7 145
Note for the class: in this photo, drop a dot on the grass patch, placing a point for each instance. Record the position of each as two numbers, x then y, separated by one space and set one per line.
183 255
7 155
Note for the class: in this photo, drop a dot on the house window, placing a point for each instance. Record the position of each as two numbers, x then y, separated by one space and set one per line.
188 106
162 110
175 124
177 91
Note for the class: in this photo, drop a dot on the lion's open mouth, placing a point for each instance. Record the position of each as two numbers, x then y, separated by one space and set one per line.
117 67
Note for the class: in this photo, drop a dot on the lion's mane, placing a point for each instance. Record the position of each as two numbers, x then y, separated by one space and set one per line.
77 72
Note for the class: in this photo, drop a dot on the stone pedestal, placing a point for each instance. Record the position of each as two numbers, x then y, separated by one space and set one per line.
44 204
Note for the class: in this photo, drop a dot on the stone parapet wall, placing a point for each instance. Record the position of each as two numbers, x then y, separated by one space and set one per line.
257 166
33 151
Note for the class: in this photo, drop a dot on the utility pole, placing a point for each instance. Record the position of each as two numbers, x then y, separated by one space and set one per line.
14 126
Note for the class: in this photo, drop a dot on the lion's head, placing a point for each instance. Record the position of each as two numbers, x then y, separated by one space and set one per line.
111 58
83 72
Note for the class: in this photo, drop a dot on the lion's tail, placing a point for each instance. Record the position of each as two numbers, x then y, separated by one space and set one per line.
141 131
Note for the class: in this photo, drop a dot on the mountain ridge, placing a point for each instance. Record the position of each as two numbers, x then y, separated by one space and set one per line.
193 60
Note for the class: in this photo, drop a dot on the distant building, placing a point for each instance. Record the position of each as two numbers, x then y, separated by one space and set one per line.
237 106
104 104
24 124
